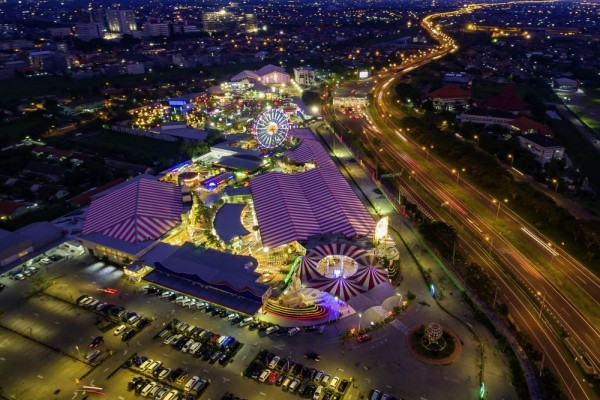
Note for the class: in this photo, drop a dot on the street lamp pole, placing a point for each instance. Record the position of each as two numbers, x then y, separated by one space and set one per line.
542 305
359 321
512 159
555 181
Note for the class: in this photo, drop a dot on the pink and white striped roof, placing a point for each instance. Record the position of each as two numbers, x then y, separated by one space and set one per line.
295 207
143 210
310 151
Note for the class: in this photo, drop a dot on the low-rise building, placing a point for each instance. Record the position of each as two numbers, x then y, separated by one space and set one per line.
486 117
543 147
449 97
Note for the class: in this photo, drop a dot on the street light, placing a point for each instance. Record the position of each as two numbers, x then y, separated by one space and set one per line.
457 172
359 321
499 203
476 138
543 299
512 159
555 181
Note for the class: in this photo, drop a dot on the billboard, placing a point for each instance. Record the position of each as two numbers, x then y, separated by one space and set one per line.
363 74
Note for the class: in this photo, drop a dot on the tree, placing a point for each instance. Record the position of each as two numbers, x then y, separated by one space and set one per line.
195 149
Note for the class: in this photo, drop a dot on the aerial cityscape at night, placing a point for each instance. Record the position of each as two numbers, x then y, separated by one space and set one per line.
327 200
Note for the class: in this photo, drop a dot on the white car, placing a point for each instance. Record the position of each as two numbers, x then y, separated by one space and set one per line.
325 379
164 373
119 330
187 345
264 375
172 395
148 388
274 362
334 382
154 366
145 364
191 382
318 392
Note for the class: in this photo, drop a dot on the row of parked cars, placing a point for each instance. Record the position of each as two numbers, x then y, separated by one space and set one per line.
191 388
199 342
293 377
131 322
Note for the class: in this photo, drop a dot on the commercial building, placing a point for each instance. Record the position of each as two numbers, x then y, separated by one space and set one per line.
23 242
269 74
88 31
121 21
125 223
156 27
219 21
220 278
304 76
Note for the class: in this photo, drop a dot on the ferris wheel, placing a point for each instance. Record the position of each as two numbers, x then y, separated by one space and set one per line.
271 128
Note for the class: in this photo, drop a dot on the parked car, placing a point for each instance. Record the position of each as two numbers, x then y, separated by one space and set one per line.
334 382
96 342
272 329
313 356
92 355
364 338
264 375
293 331
274 361
119 330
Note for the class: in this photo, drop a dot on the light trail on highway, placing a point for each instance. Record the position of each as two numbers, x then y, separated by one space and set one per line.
553 301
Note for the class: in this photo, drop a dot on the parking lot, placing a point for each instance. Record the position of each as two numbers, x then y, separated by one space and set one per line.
53 318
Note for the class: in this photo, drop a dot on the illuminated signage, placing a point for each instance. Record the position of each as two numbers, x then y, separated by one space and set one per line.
363 74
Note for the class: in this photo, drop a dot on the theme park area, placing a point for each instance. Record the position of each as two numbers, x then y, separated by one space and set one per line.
262 222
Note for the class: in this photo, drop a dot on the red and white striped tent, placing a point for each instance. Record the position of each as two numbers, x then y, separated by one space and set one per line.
295 207
339 287
340 249
368 277
143 210
307 271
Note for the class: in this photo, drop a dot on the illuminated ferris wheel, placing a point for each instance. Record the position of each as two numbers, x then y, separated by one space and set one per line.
271 128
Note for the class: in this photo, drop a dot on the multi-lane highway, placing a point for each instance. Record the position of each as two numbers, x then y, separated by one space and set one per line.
515 254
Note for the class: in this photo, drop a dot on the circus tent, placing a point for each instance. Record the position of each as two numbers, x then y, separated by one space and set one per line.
338 287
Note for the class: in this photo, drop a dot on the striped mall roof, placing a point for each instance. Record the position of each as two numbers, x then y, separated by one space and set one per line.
295 207
310 151
143 210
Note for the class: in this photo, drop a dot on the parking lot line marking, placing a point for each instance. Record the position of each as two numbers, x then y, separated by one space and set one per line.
41 377
2 359
388 386
264 394
36 314
75 394
121 398
57 323
105 369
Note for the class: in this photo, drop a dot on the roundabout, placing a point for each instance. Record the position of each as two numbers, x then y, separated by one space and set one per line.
434 344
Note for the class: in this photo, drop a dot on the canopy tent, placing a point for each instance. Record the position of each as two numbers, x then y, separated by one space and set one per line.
369 277
338 287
